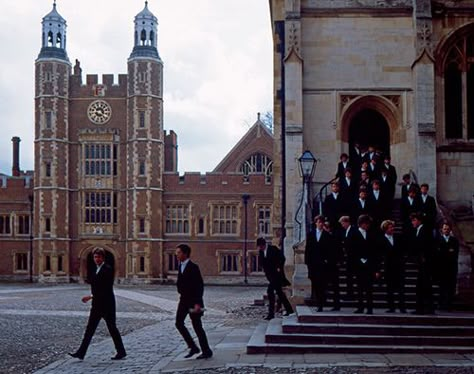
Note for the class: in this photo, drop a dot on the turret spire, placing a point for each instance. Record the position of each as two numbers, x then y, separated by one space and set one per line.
54 36
146 35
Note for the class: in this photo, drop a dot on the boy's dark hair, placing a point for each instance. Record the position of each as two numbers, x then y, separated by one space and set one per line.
261 241
186 249
99 251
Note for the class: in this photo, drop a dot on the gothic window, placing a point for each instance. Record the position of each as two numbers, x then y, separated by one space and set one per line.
23 224
229 261
21 261
264 220
142 169
177 219
172 262
255 265
224 219
58 40
47 225
47 169
141 121
258 163
459 90
142 225
48 119
143 37
47 263
142 264
99 160
100 207
201 226
5 228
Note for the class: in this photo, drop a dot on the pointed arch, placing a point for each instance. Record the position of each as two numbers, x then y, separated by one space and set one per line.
143 38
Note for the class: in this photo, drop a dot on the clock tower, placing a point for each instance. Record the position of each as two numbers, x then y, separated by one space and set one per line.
51 197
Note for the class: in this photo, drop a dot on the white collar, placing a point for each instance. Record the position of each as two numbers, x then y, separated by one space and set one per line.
99 267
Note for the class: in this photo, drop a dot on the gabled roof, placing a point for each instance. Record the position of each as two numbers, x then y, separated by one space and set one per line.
258 139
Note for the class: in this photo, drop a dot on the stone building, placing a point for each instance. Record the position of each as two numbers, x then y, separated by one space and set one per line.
397 74
106 176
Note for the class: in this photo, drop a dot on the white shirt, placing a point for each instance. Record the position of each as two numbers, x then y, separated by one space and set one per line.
390 238
318 234
424 197
384 178
410 200
446 237
348 181
183 265
99 267
376 194
347 231
418 229
344 164
362 202
335 195
363 232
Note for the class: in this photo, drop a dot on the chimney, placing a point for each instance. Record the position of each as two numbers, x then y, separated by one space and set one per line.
16 156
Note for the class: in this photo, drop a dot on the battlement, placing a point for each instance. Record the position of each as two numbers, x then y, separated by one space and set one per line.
16 187
195 182
108 86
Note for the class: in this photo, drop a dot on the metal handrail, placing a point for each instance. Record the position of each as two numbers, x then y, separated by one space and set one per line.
320 194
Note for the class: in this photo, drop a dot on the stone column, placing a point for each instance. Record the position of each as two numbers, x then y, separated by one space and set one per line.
424 84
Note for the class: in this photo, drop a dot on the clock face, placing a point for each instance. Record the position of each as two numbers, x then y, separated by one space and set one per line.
99 112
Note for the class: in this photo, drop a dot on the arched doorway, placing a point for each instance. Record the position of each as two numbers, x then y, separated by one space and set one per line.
92 267
369 127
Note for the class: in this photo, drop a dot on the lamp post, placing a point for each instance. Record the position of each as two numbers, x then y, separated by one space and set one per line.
30 198
307 166
245 199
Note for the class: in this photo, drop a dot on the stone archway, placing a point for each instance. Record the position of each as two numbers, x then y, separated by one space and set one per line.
87 265
369 127
373 120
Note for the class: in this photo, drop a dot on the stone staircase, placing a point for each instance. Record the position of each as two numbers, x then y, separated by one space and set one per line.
344 332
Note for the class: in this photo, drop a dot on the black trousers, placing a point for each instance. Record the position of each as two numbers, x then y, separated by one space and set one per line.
424 289
94 319
181 313
365 283
273 287
395 285
332 283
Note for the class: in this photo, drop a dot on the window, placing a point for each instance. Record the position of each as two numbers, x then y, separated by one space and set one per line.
255 265
224 219
142 225
142 168
100 207
229 262
142 264
100 159
47 169
201 226
258 164
48 76
48 119
177 219
172 262
23 224
458 72
5 228
141 119
21 261
47 263
60 263
264 221
47 225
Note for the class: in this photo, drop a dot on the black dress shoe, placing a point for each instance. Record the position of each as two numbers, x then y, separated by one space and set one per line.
204 355
403 310
119 356
269 317
359 311
320 309
286 313
76 355
370 311
192 352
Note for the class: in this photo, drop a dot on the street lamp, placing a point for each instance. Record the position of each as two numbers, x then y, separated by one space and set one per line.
245 199
307 166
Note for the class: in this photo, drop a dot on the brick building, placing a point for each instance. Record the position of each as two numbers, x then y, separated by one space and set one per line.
106 176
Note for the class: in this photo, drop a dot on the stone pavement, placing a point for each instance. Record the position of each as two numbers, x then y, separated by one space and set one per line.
158 348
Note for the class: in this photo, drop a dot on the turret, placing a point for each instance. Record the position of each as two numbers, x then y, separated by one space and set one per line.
146 35
53 43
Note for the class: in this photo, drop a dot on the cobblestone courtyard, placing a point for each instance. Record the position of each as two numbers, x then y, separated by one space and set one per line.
40 324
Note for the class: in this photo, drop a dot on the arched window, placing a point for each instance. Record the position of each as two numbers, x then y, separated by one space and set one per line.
458 73
143 37
50 39
152 37
58 40
258 163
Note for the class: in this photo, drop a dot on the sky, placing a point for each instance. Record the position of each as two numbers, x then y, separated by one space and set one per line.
218 69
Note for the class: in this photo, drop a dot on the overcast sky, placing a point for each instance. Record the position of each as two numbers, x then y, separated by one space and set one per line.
217 58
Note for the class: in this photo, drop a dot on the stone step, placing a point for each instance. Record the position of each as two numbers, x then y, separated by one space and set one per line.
275 334
308 314
290 325
258 345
